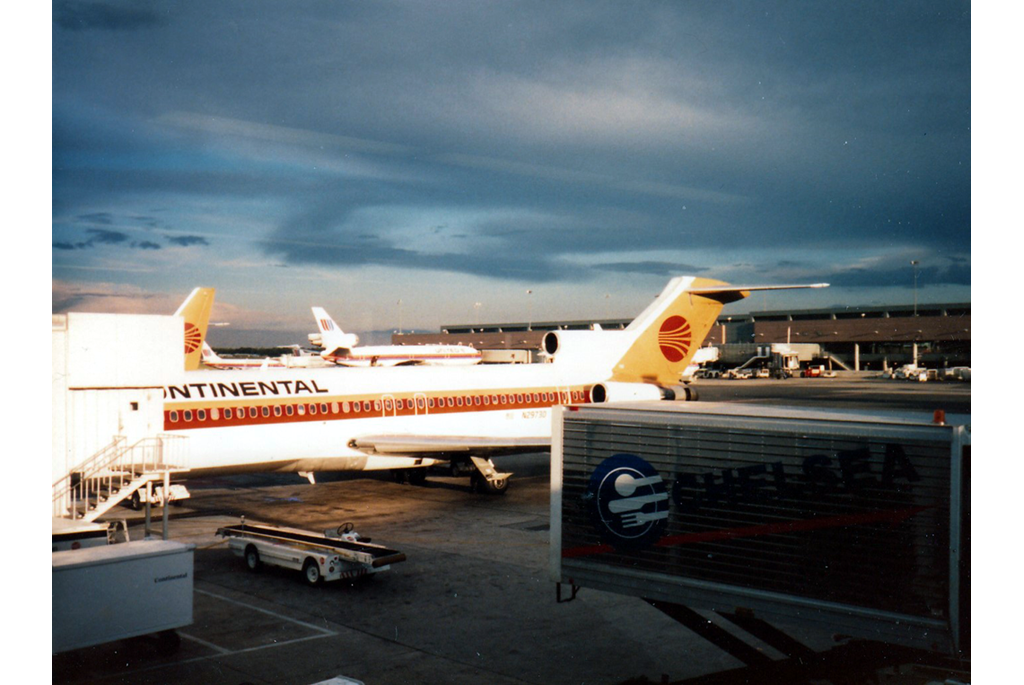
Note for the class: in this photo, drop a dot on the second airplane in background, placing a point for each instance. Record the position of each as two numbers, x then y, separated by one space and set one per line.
298 359
343 349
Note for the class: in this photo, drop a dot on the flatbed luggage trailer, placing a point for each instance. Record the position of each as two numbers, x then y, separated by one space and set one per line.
855 522
328 556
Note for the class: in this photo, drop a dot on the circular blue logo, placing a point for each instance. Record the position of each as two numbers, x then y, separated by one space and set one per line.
629 501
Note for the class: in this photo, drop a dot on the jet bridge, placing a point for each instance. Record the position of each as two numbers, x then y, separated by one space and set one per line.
856 522
107 409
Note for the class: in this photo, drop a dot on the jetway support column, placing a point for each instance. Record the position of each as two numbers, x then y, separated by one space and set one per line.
149 500
166 501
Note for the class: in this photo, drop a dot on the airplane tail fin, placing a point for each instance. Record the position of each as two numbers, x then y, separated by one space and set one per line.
196 312
208 355
332 337
664 338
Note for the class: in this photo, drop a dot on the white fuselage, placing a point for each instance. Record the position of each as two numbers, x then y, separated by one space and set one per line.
305 420
400 355
240 364
390 417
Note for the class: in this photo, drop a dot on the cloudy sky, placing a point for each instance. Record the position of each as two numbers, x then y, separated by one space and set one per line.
418 163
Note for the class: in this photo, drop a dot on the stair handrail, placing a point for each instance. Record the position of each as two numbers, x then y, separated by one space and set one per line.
113 468
102 456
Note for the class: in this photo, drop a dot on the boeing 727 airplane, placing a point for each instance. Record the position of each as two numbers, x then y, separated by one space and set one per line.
343 349
309 420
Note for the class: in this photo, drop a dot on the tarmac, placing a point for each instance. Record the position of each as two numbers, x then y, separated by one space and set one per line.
473 602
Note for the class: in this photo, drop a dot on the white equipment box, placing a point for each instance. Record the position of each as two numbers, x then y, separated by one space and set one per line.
113 592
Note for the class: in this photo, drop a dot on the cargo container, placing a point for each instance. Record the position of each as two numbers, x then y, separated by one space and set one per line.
852 521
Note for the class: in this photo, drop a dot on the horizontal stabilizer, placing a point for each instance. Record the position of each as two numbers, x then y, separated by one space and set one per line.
732 293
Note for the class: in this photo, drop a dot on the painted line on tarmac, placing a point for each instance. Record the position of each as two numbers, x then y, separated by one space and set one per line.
204 643
222 651
227 652
311 626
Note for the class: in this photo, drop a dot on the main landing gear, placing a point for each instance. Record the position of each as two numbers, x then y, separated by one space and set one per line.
416 476
486 479
483 476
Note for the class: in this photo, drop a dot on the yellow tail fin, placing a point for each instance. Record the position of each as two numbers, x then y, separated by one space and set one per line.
196 312
670 331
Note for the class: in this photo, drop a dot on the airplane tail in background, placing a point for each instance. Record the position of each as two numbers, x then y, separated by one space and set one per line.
209 356
196 312
332 338
663 339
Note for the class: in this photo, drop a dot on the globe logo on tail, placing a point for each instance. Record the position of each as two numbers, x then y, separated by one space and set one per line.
192 338
674 338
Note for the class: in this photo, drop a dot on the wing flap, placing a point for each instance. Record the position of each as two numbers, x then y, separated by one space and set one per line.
442 445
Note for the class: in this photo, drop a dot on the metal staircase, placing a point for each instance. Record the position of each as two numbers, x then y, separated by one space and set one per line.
114 474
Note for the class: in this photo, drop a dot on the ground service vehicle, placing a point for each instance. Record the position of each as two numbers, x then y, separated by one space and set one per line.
331 555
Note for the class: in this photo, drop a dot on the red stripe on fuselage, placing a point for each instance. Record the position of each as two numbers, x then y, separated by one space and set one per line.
240 413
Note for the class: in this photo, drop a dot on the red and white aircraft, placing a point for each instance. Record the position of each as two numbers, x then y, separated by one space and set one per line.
343 349
308 420
298 359
214 361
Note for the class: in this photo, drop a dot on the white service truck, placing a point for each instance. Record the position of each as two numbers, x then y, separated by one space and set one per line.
332 555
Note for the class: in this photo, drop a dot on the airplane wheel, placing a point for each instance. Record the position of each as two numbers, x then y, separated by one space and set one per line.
252 558
417 476
311 572
489 487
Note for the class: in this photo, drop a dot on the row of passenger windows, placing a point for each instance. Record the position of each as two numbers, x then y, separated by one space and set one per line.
367 406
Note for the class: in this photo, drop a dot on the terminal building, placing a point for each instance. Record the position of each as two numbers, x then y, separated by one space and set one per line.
853 338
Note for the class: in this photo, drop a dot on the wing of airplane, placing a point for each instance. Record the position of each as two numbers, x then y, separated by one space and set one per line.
442 446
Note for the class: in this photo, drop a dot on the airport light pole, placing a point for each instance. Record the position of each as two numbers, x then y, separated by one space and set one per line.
914 263
529 310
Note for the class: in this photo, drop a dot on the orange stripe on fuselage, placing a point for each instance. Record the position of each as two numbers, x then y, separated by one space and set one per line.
227 413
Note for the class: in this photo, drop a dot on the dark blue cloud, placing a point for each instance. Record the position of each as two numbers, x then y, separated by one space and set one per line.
950 271
105 218
666 269
533 136
188 240
327 247
81 15
101 236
